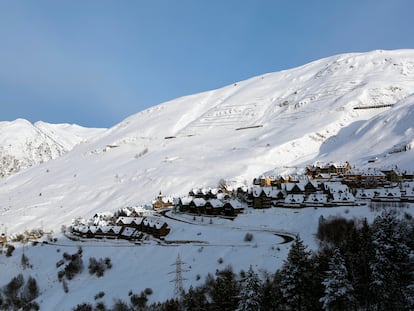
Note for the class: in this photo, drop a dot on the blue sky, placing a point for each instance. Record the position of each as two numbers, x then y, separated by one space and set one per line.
95 62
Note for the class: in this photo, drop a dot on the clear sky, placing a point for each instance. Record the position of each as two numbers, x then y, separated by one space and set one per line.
95 62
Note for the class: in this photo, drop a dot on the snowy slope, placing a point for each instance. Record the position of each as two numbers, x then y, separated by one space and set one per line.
23 144
275 123
267 123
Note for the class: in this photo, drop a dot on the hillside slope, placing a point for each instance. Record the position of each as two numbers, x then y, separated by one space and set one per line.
23 144
346 107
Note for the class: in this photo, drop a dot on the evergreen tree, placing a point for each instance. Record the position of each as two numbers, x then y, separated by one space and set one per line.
195 299
11 291
338 289
296 277
390 281
223 290
358 254
250 296
30 290
270 293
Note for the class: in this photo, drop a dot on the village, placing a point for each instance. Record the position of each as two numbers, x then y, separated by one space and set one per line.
325 185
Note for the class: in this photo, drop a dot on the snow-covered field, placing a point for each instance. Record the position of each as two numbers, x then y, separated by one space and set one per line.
150 265
275 123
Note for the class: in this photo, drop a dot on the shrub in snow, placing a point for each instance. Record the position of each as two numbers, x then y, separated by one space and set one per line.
74 266
99 295
83 307
100 306
148 291
138 302
120 305
248 237
18 295
65 286
99 266
9 250
25 262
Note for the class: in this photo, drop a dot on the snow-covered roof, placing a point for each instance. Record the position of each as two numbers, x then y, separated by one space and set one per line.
155 222
199 202
373 173
295 198
187 200
236 204
336 187
290 186
365 193
316 197
129 232
340 197
388 193
129 220
215 203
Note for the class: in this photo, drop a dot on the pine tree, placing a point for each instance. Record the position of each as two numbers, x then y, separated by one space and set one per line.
358 254
338 289
195 299
295 278
250 296
30 290
223 290
390 280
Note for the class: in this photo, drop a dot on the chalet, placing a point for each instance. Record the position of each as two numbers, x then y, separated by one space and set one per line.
372 178
110 232
322 176
85 231
387 195
213 207
310 187
103 218
133 222
365 194
162 202
155 226
236 205
337 168
338 194
262 181
316 199
261 197
392 175
407 191
294 200
295 188
184 204
197 206
205 193
232 207
129 233
343 198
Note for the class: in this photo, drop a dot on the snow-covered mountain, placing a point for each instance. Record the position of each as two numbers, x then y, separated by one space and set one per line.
23 144
350 107
346 107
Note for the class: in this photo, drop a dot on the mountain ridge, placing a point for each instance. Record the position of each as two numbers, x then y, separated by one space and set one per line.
266 123
352 107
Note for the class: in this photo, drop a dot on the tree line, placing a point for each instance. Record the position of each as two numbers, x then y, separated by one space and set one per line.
358 266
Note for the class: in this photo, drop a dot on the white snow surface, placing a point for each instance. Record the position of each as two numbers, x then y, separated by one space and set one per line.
275 123
23 144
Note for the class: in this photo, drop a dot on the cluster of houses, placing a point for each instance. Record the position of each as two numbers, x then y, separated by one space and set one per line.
323 185
207 201
124 226
332 184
